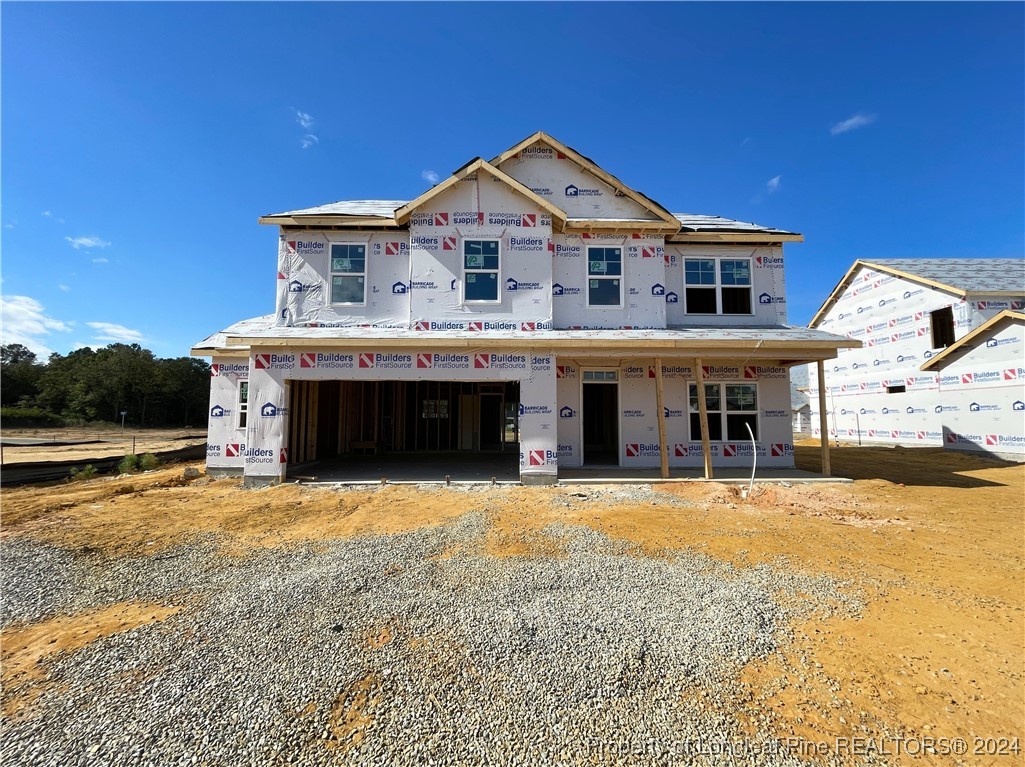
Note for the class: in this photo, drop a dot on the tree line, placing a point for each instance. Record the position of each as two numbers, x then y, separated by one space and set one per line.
89 385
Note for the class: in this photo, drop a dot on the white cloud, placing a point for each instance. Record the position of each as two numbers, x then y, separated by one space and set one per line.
101 260
87 242
745 142
111 332
852 123
49 214
64 288
309 140
23 321
430 176
8 226
774 184
303 118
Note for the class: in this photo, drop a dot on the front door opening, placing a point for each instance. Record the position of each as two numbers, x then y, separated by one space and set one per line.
600 418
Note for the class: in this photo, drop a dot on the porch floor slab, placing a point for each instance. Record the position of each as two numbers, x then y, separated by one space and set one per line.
419 468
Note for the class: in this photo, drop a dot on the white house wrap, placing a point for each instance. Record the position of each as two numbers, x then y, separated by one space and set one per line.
523 306
936 367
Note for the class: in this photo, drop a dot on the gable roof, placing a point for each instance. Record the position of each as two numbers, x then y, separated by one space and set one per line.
966 275
961 277
591 167
475 166
967 342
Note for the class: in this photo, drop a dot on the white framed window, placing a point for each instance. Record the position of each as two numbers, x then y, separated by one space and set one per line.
604 276
600 376
482 269
348 273
730 406
717 286
243 403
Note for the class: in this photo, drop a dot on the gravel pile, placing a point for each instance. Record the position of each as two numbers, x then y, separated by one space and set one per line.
392 650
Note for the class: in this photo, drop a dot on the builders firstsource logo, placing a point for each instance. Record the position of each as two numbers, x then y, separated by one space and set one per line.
307 247
275 361
326 360
229 369
537 458
642 450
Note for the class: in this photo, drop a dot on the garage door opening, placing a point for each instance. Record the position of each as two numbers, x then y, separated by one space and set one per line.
333 420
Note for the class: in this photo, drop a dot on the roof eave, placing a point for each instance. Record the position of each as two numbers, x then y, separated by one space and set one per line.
715 348
329 220
734 236
966 342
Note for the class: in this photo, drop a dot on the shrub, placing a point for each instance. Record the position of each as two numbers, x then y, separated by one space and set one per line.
129 464
86 472
28 417
148 462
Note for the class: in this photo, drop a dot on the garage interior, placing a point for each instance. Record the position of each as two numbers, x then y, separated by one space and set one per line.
342 420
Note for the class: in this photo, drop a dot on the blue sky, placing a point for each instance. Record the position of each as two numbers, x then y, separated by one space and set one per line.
140 142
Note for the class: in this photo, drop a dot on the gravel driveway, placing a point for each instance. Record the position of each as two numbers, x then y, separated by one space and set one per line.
405 649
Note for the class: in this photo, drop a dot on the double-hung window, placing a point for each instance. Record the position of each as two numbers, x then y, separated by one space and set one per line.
717 285
348 273
729 406
481 271
243 403
604 276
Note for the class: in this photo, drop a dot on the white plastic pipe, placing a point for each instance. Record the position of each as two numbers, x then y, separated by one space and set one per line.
754 459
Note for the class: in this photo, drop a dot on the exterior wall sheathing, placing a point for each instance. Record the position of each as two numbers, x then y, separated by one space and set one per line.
892 317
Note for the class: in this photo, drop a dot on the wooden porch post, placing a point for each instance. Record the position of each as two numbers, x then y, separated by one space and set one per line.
663 448
706 443
823 421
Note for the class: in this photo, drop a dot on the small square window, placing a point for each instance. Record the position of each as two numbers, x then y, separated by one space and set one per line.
481 270
348 273
604 273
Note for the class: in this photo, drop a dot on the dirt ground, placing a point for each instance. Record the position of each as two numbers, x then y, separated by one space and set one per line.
100 441
933 542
